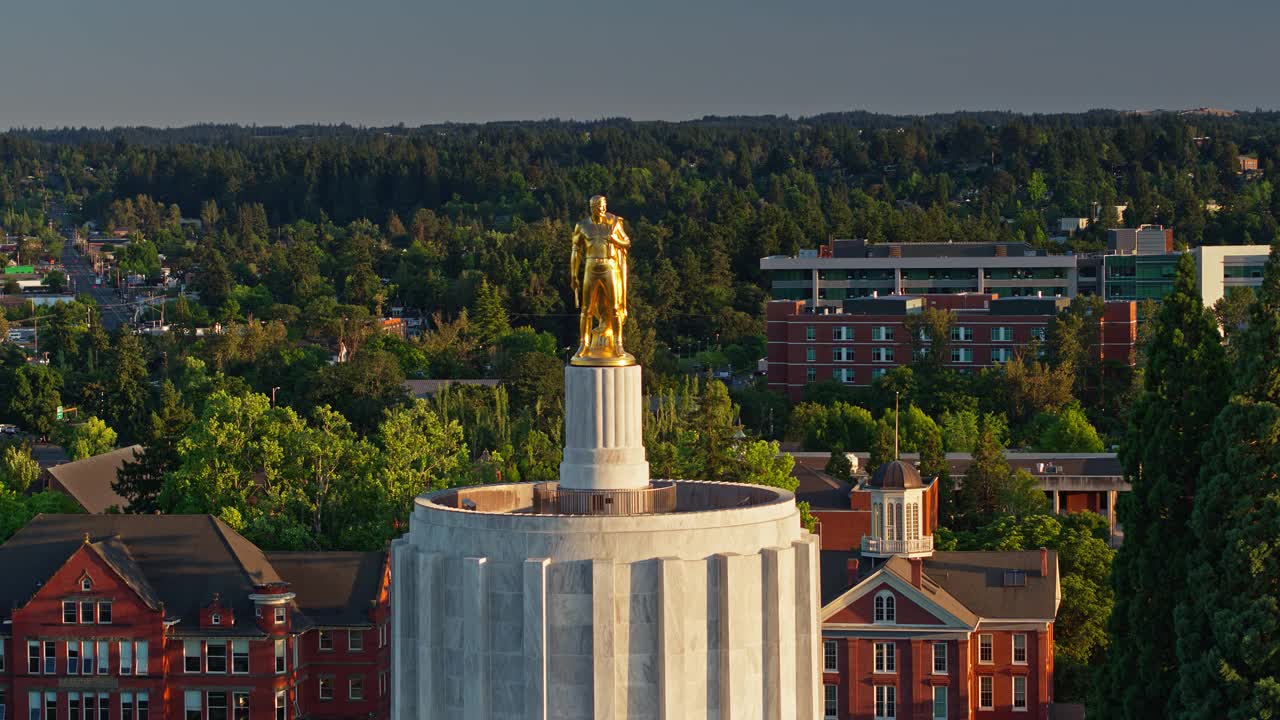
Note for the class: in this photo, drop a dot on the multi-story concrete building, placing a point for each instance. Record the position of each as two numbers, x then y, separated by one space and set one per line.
1139 276
908 632
868 336
1139 265
857 268
131 617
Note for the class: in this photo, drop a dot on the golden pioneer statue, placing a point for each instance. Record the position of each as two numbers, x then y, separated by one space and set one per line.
598 276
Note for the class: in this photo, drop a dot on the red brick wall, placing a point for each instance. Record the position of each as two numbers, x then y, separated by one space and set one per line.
914 677
862 610
166 681
843 529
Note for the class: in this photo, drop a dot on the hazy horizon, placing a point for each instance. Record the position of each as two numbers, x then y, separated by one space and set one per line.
78 63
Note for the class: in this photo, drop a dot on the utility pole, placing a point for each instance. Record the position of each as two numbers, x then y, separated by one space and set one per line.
895 424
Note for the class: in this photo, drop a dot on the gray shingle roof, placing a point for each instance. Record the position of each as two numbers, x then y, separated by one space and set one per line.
180 560
333 588
89 481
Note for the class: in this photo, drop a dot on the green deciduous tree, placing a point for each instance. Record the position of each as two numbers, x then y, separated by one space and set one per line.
1069 431
87 439
18 469
1182 392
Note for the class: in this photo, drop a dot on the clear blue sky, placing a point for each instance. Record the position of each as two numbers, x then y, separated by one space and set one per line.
376 62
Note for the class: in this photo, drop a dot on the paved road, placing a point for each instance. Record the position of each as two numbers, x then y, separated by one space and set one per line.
115 311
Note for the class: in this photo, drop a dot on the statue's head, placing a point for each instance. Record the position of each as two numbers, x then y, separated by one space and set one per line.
598 206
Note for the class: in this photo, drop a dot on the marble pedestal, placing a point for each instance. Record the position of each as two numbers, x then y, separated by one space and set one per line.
603 435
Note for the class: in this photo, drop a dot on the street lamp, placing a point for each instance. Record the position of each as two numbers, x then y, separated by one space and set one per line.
273 395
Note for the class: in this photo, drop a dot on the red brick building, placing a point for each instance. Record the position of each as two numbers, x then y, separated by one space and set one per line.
910 633
132 617
868 337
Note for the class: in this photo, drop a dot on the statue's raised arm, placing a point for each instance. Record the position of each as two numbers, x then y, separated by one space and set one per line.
598 276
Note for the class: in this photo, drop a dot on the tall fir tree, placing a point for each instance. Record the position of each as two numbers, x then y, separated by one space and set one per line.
139 480
1182 392
490 317
127 396
1228 626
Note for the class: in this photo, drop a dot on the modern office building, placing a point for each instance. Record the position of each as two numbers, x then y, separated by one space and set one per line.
132 617
868 337
857 268
1138 265
1138 276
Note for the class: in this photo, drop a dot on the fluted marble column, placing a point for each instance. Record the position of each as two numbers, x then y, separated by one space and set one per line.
603 435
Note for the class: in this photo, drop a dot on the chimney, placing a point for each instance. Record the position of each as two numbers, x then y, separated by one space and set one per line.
1044 562
917 572
851 571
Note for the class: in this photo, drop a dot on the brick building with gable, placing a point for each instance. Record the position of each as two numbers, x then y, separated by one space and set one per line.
133 617
912 633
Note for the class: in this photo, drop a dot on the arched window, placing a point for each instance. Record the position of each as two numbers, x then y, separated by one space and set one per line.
215 619
877 520
885 607
86 584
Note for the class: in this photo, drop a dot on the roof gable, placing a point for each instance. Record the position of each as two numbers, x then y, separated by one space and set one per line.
90 481
930 605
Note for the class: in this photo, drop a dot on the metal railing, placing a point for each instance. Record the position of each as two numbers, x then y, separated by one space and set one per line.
551 499
877 546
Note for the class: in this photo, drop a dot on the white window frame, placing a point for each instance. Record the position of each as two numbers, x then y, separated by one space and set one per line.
843 354
811 354
1002 333
324 682
352 696
324 640
110 612
936 657
282 659
844 375
126 657
961 355
187 655
811 374
231 666
74 606
282 705
885 658
141 657
830 656
1001 354
102 656
86 584
810 333
1013 644
226 657
987 641
990 681
1039 334
961 333
882 333
830 702
1013 693
885 608
355 641
279 615
842 333
882 355
885 701
188 697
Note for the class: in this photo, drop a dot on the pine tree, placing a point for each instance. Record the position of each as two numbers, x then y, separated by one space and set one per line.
1228 626
1182 392
126 392
490 317
139 480
985 479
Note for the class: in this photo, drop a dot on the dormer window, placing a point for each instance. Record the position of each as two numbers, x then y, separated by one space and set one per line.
885 607
215 619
